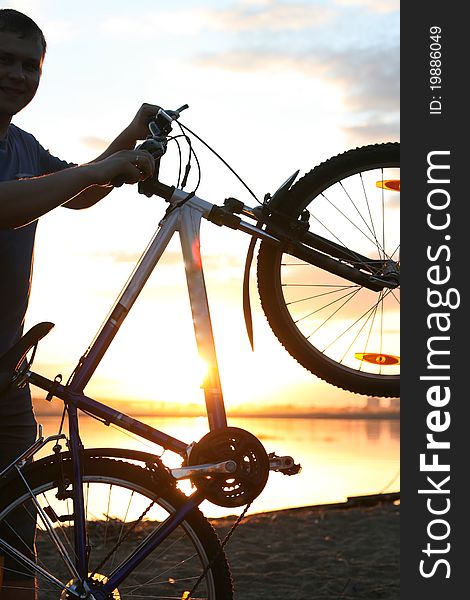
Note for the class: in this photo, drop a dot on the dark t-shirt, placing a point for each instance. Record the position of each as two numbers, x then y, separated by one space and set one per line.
21 156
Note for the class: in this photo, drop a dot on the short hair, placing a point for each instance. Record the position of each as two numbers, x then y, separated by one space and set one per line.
16 22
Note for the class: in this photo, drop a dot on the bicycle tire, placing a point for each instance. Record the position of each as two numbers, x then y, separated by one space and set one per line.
181 558
338 190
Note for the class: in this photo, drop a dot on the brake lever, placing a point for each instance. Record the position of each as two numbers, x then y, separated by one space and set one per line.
156 143
174 114
156 147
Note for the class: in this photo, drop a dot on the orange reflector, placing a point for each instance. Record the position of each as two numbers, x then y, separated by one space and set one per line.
185 596
378 359
389 184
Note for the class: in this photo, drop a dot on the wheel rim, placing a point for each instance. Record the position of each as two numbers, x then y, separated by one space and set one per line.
112 508
350 326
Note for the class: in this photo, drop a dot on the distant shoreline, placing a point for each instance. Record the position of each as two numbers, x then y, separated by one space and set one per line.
49 410
320 415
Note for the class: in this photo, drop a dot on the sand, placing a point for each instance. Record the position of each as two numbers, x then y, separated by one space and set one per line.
316 554
335 552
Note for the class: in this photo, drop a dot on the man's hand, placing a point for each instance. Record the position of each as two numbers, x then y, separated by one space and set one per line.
124 166
135 131
138 128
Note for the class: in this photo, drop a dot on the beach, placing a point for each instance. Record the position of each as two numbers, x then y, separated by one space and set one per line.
327 549
316 553
345 551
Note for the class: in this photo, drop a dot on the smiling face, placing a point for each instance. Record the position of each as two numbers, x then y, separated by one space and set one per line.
20 71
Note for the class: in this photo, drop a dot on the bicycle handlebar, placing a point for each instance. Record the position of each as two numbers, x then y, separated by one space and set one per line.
156 142
161 123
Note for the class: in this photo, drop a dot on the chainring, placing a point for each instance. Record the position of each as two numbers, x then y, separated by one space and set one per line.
246 482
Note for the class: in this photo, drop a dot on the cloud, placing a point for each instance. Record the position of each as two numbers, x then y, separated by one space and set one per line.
266 17
158 23
379 6
372 131
55 30
211 262
270 17
259 16
274 16
246 60
367 79
373 98
118 256
367 76
351 45
95 143
374 69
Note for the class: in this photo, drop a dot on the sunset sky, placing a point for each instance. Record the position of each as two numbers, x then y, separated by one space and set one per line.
273 86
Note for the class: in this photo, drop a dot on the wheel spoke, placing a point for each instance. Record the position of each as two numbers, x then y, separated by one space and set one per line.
51 531
122 512
322 320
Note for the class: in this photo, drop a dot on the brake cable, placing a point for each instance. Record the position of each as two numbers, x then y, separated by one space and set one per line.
184 127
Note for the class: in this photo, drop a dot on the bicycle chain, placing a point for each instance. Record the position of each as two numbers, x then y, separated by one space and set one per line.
219 553
125 536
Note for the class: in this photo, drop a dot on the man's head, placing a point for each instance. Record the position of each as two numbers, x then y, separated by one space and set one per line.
22 50
16 22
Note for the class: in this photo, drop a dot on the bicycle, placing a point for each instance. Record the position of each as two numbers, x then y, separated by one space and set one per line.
108 518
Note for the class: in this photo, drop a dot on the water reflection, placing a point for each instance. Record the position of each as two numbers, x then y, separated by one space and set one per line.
339 457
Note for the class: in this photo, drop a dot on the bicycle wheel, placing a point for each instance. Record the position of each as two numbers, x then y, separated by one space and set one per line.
342 332
124 502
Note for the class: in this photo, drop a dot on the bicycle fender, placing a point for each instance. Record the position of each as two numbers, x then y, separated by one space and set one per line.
246 292
275 203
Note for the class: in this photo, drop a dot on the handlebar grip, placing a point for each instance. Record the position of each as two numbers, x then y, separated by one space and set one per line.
181 108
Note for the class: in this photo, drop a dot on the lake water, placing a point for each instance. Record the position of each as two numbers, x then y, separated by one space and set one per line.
339 457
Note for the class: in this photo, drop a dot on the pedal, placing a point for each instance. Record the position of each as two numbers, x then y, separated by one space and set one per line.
283 464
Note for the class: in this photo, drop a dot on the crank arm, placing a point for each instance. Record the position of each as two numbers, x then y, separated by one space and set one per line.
227 466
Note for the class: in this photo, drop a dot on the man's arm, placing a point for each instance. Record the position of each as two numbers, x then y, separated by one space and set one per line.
126 140
23 201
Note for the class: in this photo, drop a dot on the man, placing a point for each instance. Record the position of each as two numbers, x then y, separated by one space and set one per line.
33 182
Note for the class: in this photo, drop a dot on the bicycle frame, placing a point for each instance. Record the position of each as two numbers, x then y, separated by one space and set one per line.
183 217
186 220
272 223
